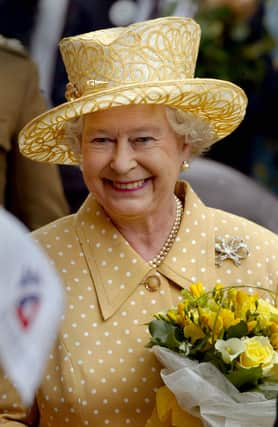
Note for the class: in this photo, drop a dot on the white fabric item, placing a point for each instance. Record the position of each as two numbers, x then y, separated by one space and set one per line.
45 38
31 306
202 390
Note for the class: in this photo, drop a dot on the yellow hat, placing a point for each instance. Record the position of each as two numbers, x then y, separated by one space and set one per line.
150 62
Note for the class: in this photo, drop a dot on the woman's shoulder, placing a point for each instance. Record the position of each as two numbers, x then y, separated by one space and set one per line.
55 229
256 236
232 224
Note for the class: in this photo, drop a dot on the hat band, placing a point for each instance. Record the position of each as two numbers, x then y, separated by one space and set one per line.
72 91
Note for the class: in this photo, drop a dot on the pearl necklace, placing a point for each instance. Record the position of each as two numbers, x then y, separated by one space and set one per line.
157 260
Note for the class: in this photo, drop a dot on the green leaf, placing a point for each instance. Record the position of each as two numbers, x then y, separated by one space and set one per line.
165 334
245 379
237 331
216 359
199 347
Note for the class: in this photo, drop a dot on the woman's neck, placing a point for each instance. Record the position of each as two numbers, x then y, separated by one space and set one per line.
147 235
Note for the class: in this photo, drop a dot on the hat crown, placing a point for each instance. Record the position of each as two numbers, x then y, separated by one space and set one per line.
157 50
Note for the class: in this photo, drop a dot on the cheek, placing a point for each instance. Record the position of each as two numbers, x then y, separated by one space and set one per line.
92 162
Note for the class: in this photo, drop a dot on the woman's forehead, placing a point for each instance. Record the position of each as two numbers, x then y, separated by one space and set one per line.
127 114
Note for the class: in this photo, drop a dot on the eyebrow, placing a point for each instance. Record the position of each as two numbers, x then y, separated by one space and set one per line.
154 129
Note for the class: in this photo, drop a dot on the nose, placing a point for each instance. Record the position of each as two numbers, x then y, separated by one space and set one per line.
123 157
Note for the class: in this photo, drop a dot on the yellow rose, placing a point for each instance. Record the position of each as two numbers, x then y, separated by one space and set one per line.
257 352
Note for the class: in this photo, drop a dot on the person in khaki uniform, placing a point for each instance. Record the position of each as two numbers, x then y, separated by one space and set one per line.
135 115
30 190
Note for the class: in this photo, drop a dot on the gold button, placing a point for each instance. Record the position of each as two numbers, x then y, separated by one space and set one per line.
152 283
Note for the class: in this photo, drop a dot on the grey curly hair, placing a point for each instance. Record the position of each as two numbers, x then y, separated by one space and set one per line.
197 132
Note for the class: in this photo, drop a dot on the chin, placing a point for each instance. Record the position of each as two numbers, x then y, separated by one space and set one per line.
126 210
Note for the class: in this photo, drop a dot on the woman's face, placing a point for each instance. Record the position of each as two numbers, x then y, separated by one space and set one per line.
131 159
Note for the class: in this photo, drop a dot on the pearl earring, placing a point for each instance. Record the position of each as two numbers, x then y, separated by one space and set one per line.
184 166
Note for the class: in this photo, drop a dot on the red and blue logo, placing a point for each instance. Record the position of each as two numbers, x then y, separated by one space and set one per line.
29 303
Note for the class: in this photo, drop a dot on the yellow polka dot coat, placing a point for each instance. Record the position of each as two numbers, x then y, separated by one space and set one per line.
100 373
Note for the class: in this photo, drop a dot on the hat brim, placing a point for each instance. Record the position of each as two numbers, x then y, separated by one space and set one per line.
221 103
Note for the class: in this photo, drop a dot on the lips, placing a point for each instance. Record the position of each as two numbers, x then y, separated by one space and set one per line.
128 185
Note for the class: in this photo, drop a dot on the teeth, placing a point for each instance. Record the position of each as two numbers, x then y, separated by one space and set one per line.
128 185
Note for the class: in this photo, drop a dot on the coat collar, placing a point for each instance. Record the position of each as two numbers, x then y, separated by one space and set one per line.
117 269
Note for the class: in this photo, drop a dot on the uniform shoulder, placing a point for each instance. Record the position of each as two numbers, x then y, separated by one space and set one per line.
12 46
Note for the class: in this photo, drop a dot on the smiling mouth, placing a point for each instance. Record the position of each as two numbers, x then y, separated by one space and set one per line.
128 186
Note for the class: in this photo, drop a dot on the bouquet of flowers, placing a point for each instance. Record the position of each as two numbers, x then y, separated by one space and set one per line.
220 351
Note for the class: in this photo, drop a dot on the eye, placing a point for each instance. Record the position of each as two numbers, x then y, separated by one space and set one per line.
144 139
101 140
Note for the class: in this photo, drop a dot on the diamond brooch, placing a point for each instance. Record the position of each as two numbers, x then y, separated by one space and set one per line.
233 248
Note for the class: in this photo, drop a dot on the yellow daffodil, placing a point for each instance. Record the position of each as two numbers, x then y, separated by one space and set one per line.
274 327
245 303
197 289
227 316
267 310
193 332
251 325
212 321
172 314
274 340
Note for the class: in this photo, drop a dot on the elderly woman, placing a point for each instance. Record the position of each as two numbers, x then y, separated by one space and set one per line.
135 115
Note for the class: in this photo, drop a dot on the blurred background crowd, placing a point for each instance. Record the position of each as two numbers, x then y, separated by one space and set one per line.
239 43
